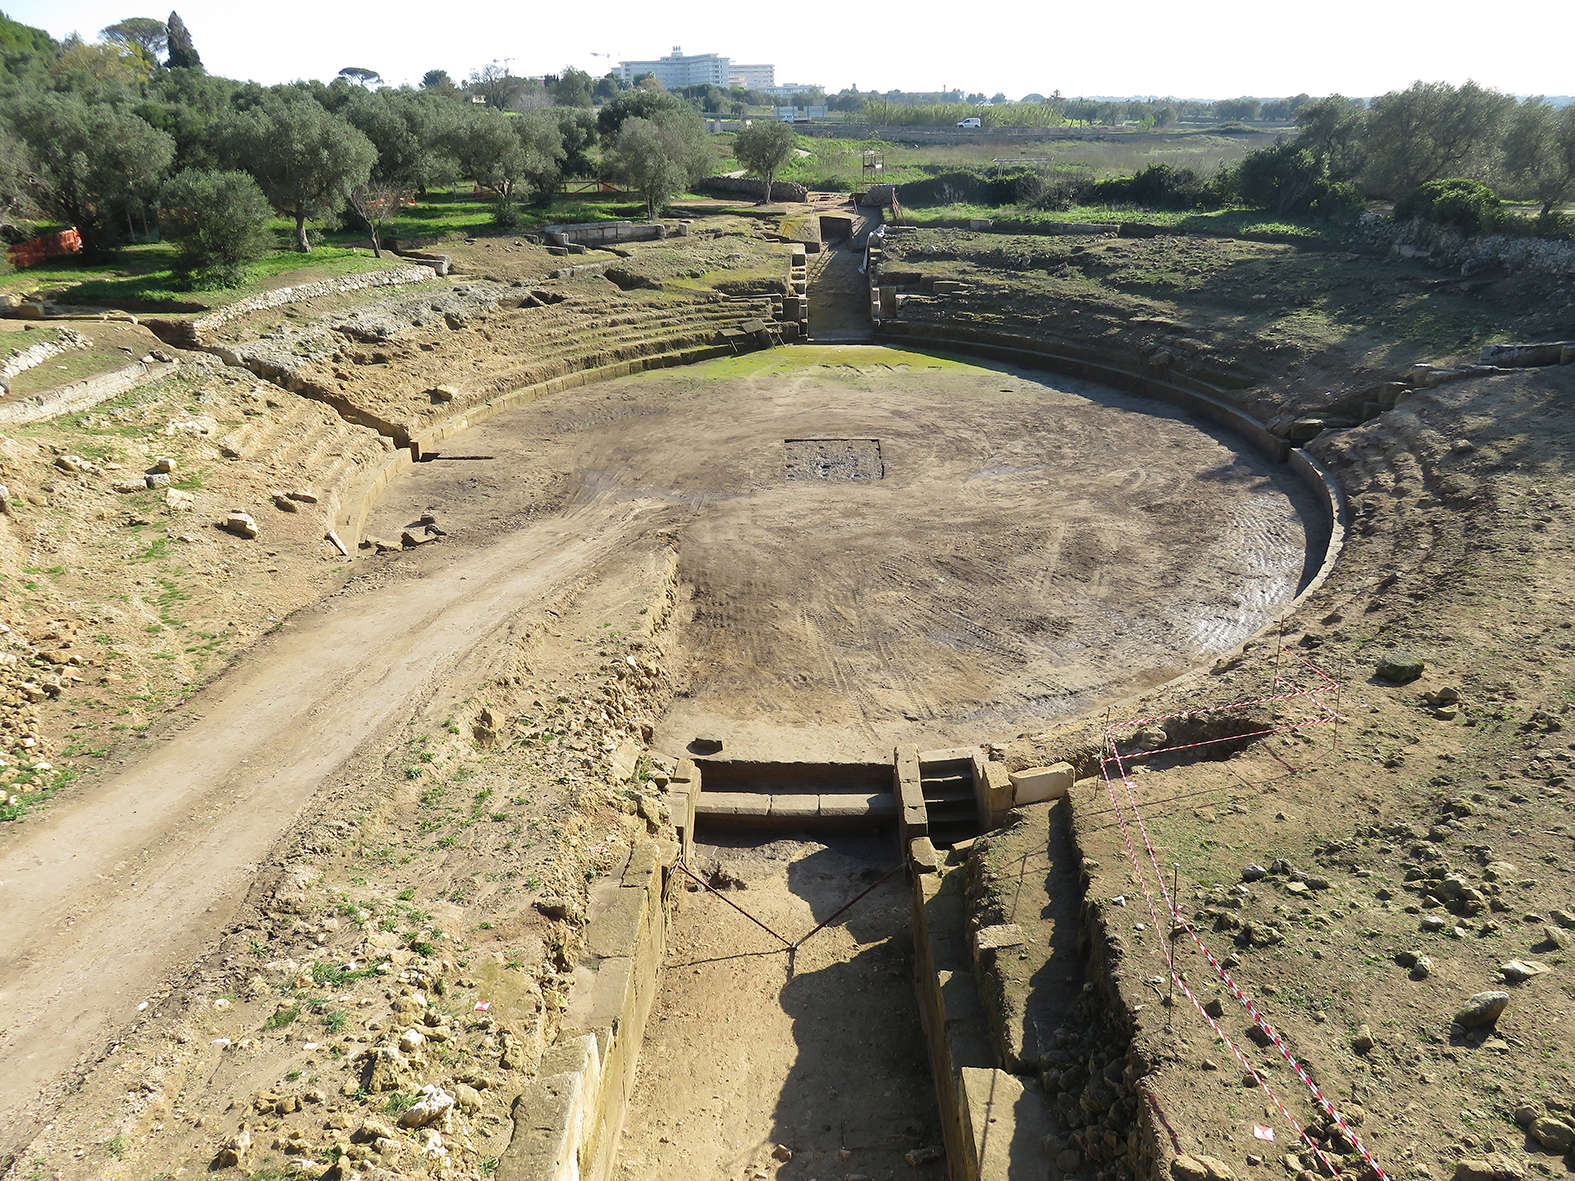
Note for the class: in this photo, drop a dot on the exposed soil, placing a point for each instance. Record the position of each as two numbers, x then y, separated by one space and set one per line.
1013 569
1031 547
750 1049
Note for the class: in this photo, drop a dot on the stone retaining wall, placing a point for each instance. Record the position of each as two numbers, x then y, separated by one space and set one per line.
192 330
567 1120
80 395
1468 253
350 519
1205 402
21 360
600 233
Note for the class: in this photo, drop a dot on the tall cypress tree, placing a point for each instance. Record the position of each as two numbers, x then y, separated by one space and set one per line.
182 53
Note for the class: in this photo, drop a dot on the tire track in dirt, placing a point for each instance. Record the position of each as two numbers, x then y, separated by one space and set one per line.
122 885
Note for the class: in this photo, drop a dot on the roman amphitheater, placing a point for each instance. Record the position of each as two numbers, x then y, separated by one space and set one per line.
782 698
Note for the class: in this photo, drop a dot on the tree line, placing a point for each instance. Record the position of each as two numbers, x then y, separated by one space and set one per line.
129 135
1444 153
1345 150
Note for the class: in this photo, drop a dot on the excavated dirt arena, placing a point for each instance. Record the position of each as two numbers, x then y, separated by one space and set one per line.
1017 550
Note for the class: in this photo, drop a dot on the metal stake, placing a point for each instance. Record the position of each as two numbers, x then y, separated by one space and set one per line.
1338 685
1170 938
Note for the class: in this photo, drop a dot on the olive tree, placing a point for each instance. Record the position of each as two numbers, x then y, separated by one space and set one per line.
90 165
762 148
508 155
410 132
1539 151
306 160
659 157
218 222
1433 130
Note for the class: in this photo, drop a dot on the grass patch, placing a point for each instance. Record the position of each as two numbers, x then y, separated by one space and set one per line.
1252 224
838 163
282 1017
850 362
326 974
145 276
67 368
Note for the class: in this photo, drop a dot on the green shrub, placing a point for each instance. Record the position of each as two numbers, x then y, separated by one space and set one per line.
1159 186
972 187
1461 204
218 222
1292 179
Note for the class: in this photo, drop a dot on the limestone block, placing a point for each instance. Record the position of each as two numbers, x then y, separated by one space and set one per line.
615 917
1008 1124
999 794
997 938
734 803
854 806
795 807
1033 785
547 1120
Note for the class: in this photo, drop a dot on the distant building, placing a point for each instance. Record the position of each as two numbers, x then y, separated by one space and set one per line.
752 77
788 89
677 69
800 114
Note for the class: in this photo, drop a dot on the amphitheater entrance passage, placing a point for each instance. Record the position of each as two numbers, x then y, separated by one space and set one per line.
801 1063
838 293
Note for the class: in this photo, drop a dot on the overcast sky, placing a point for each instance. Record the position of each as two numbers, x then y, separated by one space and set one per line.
1134 47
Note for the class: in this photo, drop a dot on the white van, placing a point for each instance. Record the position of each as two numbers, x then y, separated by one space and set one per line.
970 121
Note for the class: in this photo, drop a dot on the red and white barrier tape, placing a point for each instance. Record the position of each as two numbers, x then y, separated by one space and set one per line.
1171 903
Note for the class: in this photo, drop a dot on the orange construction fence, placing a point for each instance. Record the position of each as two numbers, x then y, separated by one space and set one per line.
28 254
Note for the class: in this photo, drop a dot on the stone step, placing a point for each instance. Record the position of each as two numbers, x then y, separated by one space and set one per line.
793 808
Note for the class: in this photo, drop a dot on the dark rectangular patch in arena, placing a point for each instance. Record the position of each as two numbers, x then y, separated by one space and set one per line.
832 459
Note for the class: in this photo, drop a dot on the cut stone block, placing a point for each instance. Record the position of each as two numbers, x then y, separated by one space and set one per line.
1034 785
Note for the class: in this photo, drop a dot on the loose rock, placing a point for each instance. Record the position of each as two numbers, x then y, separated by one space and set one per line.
1555 1135
1400 669
1496 1167
1482 1010
1518 971
241 524
1200 1168
433 1107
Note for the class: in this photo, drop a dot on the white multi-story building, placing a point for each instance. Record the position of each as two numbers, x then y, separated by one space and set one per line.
752 77
678 69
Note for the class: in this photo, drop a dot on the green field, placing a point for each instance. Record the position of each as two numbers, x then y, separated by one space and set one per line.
1256 224
838 163
143 276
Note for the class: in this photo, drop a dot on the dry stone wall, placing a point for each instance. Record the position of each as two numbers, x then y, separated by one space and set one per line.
21 360
748 186
279 296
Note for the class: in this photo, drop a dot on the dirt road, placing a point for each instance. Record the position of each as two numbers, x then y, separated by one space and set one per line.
119 888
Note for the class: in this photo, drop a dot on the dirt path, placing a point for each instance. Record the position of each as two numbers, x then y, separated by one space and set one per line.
822 1054
122 885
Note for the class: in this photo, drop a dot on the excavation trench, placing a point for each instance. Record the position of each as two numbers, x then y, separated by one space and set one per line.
756 1051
